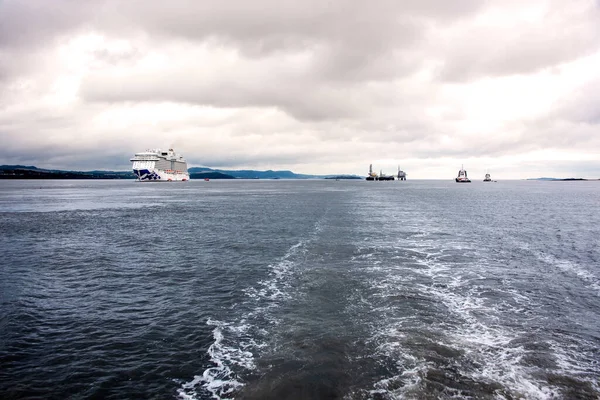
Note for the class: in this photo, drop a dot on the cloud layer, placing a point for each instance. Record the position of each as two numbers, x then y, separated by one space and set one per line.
317 87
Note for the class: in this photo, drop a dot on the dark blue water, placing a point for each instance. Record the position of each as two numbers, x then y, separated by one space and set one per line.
299 290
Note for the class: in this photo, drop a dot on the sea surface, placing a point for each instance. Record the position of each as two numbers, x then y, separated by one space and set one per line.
320 289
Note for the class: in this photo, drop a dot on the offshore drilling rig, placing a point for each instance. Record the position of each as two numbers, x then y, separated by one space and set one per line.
373 176
401 174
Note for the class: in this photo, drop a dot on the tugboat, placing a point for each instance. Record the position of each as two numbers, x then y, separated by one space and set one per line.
487 178
462 176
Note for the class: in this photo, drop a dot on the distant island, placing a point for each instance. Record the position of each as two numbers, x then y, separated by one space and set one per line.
560 179
269 174
210 175
32 172
338 177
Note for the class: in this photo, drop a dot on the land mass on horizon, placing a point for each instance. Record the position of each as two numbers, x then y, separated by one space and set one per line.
560 179
32 172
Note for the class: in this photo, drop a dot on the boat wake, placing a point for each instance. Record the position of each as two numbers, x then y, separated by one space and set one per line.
220 381
463 334
433 312
238 343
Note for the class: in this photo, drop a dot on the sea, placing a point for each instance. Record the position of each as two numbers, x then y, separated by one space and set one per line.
299 289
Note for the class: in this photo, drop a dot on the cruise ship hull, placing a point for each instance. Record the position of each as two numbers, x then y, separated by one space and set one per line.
156 175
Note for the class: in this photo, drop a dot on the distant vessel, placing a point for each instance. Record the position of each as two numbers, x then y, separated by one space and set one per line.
384 177
487 178
381 177
160 166
462 176
401 174
372 176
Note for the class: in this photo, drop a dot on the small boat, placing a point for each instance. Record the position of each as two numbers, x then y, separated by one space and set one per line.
462 176
487 178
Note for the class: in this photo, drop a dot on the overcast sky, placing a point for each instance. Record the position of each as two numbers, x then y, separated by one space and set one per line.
315 86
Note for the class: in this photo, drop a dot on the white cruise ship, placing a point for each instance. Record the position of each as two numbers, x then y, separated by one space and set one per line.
160 166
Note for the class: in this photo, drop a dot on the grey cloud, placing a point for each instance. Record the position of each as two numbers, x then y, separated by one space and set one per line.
229 91
265 19
495 51
54 157
31 23
26 21
352 39
114 57
263 161
18 63
581 106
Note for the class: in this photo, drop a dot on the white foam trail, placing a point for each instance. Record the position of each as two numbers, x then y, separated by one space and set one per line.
475 327
570 267
490 345
220 381
274 287
237 343
410 379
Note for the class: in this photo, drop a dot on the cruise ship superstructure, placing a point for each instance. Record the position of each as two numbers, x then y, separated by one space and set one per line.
160 166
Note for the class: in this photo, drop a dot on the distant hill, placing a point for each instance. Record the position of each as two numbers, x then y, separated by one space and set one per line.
252 174
336 177
31 172
210 175
13 167
269 174
557 179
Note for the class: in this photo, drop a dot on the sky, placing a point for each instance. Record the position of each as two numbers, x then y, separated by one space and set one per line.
315 86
